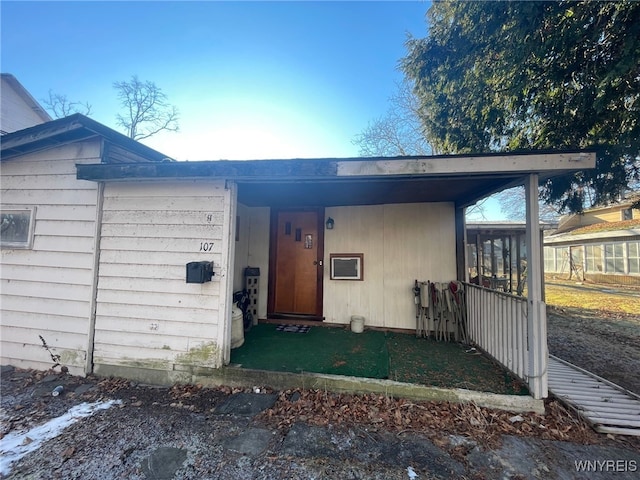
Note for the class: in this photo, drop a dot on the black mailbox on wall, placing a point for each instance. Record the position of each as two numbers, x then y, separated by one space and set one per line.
199 272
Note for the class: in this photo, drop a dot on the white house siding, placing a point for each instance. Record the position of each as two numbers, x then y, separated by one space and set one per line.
15 114
400 243
47 290
147 315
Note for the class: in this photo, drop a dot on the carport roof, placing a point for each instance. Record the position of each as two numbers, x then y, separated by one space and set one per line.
462 179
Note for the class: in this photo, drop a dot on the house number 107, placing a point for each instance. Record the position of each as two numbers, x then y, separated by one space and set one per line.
206 246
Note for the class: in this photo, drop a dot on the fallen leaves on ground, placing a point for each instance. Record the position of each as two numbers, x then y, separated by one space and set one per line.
365 412
380 412
68 453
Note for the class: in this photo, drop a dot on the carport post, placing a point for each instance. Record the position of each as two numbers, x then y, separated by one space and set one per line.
462 272
537 310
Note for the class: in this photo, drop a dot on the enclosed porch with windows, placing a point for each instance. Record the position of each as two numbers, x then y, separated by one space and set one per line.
497 254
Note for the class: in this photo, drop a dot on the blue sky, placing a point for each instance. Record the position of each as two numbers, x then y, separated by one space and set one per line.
250 79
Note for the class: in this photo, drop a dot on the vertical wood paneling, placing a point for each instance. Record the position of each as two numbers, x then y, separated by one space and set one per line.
242 247
189 218
358 229
259 225
46 289
400 243
252 250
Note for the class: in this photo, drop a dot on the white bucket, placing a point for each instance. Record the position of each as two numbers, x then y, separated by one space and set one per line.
357 323
237 327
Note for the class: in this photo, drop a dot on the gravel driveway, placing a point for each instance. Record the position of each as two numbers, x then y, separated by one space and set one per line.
605 341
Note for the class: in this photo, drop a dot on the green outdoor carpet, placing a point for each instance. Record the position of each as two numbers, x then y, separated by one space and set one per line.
448 365
335 351
373 354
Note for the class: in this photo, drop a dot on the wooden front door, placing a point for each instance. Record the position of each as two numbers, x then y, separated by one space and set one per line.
295 278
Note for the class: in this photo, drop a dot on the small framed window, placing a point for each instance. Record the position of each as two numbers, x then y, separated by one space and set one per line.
346 266
16 227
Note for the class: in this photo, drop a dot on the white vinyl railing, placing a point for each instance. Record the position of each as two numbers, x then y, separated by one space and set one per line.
497 323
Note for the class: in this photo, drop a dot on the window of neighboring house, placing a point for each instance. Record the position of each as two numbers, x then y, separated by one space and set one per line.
593 255
614 257
549 259
634 257
626 214
562 259
16 228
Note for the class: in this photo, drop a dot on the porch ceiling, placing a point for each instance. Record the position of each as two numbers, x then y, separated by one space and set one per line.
338 192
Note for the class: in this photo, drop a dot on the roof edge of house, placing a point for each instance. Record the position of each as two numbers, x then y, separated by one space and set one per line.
27 97
59 128
568 238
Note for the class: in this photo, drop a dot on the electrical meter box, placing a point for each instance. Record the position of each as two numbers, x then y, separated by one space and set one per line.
199 272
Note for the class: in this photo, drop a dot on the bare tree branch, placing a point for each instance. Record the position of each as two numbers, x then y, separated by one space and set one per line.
147 110
398 132
513 205
60 106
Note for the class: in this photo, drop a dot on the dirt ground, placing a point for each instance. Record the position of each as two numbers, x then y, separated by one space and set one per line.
193 432
603 338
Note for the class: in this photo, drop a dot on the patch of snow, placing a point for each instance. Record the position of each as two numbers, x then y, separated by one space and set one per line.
16 445
412 473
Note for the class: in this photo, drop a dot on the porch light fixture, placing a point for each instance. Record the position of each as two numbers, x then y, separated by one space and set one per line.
330 223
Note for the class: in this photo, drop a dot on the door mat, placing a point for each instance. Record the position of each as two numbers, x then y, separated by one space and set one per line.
293 328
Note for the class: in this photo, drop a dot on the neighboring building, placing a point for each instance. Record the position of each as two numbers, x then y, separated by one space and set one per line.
18 109
502 262
601 245
104 269
619 211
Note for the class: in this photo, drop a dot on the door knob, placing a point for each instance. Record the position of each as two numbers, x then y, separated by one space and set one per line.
318 262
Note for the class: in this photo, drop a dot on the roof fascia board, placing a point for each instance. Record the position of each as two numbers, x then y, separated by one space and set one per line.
32 138
121 139
623 204
480 226
32 135
348 169
242 169
529 163
567 238
47 143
